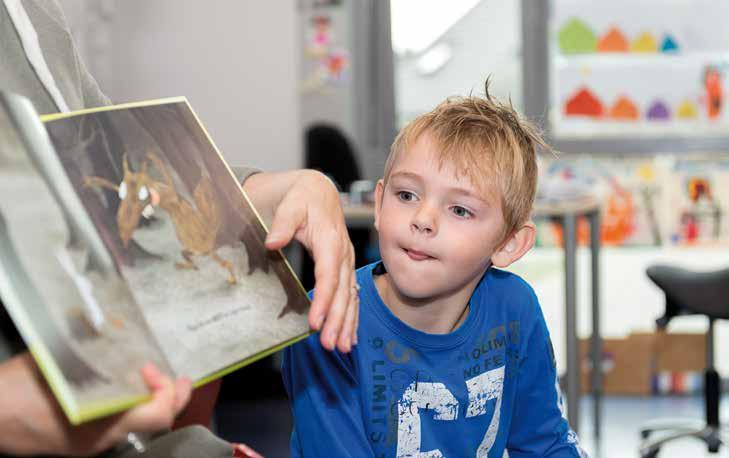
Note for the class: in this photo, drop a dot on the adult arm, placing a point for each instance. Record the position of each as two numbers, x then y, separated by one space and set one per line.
304 205
32 423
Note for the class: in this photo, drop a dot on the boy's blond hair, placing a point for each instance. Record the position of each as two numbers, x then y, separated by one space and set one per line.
489 143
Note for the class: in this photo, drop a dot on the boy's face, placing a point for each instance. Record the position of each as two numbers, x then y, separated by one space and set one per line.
437 231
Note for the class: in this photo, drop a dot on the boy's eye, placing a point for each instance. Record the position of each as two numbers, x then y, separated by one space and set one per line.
406 196
461 212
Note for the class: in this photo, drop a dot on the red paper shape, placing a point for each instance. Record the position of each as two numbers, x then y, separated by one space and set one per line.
584 103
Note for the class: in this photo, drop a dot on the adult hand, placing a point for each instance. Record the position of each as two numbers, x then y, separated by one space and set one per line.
304 205
32 423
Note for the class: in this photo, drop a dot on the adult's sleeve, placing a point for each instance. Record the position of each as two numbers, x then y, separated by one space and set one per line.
539 427
325 401
242 173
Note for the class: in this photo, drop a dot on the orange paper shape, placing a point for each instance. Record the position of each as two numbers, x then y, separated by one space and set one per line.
624 109
584 103
613 41
646 42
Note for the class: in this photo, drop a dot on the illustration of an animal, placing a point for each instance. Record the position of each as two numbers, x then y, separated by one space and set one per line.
196 225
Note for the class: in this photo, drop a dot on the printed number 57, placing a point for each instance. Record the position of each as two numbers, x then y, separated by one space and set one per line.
435 396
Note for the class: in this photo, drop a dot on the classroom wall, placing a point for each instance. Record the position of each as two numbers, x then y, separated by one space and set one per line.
486 41
236 61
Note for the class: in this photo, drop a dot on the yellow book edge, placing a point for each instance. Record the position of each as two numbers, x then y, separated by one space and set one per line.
80 414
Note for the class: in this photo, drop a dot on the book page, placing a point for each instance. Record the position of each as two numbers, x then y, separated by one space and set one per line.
65 307
182 235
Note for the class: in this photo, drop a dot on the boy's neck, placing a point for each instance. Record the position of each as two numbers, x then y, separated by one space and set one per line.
433 315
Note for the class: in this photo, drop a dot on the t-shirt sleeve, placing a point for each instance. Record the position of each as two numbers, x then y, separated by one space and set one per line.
242 173
539 427
325 400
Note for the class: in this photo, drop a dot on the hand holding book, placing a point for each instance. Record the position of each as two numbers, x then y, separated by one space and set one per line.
35 424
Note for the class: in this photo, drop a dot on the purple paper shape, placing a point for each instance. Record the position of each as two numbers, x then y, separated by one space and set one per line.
658 111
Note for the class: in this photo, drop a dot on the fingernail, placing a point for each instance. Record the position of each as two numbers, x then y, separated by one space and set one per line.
320 321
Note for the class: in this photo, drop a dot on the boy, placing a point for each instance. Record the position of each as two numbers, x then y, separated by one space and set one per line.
454 357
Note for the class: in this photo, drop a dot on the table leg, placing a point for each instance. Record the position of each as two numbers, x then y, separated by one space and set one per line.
596 339
569 223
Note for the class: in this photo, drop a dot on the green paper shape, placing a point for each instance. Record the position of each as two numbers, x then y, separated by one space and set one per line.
576 37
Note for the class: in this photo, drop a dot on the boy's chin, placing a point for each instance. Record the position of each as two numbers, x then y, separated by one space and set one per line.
414 289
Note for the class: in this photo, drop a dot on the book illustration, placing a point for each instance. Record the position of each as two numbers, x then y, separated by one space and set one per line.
196 225
197 266
148 251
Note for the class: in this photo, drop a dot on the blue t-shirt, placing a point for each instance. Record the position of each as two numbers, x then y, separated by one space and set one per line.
489 386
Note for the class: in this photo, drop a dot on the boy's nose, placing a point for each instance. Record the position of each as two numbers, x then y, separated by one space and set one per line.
424 221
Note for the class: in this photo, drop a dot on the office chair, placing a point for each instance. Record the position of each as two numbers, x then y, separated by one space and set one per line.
691 293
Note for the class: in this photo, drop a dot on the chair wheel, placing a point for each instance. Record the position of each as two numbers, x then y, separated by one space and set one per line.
713 444
645 433
651 453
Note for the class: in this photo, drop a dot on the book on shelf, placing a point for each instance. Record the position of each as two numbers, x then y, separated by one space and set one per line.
125 238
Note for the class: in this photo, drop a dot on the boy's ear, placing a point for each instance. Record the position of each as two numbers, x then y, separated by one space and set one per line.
379 192
515 246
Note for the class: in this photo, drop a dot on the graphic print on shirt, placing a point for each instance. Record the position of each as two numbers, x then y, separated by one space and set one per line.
404 394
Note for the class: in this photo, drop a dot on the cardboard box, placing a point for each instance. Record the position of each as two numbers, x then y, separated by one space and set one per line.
680 352
632 365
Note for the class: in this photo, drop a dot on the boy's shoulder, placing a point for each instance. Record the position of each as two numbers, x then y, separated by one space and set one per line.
509 289
505 281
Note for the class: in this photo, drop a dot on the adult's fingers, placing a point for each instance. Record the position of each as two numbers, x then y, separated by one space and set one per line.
327 262
158 413
288 218
349 329
338 308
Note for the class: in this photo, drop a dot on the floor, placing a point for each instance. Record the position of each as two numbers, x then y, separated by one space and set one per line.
265 425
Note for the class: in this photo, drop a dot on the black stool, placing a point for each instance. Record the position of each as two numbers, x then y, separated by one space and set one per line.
691 293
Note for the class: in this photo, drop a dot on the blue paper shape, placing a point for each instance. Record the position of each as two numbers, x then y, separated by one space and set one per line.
669 44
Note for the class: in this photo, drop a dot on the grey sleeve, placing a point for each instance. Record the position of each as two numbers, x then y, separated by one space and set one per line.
92 95
242 173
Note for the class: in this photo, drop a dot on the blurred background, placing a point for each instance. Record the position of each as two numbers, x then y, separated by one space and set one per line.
630 93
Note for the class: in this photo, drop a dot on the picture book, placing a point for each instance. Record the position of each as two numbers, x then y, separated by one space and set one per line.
125 238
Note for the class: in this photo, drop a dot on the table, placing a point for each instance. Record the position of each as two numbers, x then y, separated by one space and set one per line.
565 213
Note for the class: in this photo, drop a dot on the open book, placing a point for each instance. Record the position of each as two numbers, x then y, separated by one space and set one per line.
126 238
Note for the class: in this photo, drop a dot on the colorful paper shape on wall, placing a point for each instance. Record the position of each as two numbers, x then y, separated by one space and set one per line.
584 103
714 91
624 109
613 41
576 37
646 42
669 45
687 110
658 111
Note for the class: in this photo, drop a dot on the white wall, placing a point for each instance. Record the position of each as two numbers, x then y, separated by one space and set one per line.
487 41
236 61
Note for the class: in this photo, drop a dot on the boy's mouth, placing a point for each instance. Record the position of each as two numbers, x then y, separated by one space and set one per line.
416 255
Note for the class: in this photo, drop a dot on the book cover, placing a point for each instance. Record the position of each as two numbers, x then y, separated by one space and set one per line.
126 238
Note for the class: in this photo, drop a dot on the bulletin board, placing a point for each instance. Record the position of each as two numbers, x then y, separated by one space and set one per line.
654 73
